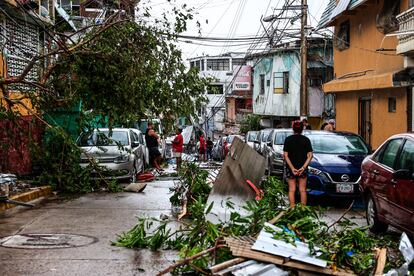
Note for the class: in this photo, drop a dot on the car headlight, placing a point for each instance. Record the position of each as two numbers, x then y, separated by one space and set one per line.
121 159
277 155
318 172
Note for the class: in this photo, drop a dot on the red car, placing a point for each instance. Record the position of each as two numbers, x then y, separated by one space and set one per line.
387 182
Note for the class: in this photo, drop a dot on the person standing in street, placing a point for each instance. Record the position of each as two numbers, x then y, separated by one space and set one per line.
177 147
298 153
202 149
210 146
152 139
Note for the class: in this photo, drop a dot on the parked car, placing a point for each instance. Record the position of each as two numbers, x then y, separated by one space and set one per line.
118 150
388 184
335 168
273 150
143 145
262 139
251 137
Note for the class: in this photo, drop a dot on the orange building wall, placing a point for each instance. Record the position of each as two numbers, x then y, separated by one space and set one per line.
384 123
365 39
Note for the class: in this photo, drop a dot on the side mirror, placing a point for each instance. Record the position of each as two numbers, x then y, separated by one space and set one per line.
256 142
135 144
403 175
269 144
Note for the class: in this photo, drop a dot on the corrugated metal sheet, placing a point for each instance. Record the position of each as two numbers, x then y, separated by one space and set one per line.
356 3
326 15
333 10
340 8
298 252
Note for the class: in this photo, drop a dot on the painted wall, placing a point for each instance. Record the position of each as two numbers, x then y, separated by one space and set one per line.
384 123
277 104
365 39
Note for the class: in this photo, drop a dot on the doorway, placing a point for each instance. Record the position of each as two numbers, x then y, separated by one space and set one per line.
365 124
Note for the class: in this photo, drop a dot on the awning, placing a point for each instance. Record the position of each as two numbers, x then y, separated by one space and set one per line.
393 79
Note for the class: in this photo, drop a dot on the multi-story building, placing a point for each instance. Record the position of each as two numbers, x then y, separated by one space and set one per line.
276 83
22 24
373 79
220 69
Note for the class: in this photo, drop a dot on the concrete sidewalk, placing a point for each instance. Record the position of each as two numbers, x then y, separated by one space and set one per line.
101 216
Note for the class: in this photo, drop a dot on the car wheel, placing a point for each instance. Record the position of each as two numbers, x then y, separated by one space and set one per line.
374 224
133 178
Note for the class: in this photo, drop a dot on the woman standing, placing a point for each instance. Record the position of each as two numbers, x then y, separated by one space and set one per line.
152 139
297 151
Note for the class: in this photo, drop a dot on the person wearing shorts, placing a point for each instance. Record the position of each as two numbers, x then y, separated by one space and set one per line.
177 147
152 140
298 153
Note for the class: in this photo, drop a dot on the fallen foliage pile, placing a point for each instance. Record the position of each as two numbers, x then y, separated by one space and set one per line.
342 244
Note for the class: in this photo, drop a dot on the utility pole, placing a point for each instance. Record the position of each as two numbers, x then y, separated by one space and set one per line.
303 61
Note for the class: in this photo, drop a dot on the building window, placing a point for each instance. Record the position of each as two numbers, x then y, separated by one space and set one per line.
281 82
342 39
410 3
262 84
392 104
215 89
218 64
238 62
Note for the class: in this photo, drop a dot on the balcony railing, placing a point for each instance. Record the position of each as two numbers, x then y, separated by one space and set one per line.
406 41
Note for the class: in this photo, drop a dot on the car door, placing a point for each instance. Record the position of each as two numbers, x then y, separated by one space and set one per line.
381 174
401 191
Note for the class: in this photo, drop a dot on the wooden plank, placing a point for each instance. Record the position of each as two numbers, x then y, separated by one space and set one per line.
382 257
243 249
225 265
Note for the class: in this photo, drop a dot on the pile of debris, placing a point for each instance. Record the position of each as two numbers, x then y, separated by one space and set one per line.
222 237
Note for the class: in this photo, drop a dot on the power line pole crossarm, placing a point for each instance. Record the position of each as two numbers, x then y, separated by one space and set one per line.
304 61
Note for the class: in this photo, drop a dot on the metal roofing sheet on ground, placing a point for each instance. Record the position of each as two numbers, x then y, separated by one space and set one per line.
299 251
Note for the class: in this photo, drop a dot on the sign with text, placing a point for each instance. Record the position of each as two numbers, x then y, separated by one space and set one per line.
243 78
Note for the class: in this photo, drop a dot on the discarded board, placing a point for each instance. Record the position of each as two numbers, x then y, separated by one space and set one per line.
241 247
242 163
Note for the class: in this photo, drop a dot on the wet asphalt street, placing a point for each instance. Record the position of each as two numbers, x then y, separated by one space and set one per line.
100 216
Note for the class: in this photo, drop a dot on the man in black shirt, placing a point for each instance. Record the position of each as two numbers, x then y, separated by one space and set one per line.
297 151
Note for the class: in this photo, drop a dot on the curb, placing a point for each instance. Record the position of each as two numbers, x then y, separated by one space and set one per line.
28 196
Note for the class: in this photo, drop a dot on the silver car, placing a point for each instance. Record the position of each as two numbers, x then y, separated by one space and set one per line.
119 151
273 150
143 145
262 140
251 137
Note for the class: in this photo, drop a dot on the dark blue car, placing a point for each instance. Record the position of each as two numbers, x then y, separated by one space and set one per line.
335 169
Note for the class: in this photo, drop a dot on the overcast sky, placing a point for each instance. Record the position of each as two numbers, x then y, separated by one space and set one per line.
217 17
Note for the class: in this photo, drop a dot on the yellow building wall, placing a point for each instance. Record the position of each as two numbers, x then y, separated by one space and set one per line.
384 123
25 108
361 55
365 39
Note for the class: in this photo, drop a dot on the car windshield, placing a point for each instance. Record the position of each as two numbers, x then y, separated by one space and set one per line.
252 136
264 135
101 138
338 144
280 137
